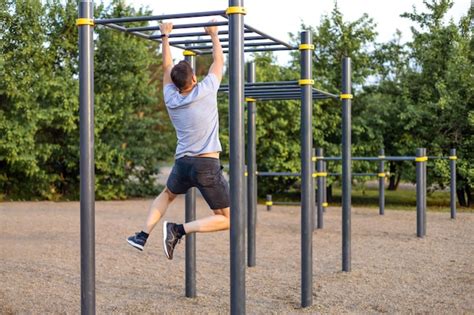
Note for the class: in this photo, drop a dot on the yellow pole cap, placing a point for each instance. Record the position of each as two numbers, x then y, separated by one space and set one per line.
84 21
453 157
306 47
305 82
189 53
249 99
346 96
236 10
421 159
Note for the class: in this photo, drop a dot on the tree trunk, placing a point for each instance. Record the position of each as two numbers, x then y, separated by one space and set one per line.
461 197
329 193
395 177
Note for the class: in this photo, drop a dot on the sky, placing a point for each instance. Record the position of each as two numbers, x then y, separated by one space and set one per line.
278 18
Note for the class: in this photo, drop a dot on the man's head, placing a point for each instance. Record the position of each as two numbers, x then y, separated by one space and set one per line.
183 76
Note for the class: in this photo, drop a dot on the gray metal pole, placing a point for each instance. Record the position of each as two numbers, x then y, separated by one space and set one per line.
190 206
269 202
346 164
419 193
423 164
381 183
87 193
252 173
320 180
452 167
325 188
237 215
307 190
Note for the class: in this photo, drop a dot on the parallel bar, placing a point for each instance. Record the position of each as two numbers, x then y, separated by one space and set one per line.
159 17
452 167
123 29
278 174
208 40
419 195
381 184
320 198
190 206
369 158
245 45
269 37
288 88
237 215
252 177
195 34
175 27
87 164
307 191
346 166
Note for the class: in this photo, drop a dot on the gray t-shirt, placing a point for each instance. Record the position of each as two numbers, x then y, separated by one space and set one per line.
195 117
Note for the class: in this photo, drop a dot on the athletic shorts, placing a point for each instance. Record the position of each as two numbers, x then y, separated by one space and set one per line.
205 173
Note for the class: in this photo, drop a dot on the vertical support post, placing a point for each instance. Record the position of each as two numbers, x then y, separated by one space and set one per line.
190 215
252 173
320 180
423 164
346 164
419 192
87 174
269 202
452 167
382 182
325 188
307 189
237 215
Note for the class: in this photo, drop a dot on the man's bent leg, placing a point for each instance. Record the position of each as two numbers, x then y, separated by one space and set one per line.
218 222
158 209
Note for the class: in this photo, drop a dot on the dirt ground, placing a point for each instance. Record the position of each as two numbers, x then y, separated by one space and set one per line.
392 270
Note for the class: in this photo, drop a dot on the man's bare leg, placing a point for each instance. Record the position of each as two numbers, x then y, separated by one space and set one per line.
158 209
217 222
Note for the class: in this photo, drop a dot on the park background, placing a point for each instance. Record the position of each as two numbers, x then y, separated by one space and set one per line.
413 90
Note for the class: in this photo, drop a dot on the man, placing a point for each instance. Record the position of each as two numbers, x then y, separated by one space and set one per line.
192 107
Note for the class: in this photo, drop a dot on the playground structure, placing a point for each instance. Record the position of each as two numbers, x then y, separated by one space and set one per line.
241 38
421 190
237 45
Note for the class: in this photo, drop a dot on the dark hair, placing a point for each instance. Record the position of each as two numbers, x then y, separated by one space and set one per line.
182 75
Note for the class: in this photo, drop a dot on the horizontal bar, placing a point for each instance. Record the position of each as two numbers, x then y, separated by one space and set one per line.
362 158
245 45
289 98
268 88
248 84
158 17
175 27
290 203
195 34
123 29
277 174
268 36
248 50
222 40
354 174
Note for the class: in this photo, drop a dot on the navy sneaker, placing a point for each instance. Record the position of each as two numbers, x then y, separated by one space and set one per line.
170 238
138 240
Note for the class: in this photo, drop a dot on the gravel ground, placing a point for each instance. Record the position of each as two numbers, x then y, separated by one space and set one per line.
392 270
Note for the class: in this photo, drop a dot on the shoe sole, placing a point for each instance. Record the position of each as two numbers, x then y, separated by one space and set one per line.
137 246
165 232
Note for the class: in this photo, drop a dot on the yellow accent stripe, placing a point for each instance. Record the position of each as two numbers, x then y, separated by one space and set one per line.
249 99
381 174
84 21
325 204
314 159
236 10
314 175
453 157
421 159
246 174
321 174
381 156
269 203
189 53
305 82
306 47
346 96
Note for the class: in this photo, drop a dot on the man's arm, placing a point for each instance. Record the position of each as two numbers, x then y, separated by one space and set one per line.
165 29
217 55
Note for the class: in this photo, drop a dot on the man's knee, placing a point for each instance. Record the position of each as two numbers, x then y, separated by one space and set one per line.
225 212
169 194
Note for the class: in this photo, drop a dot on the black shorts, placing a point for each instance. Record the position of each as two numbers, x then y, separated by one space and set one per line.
205 173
